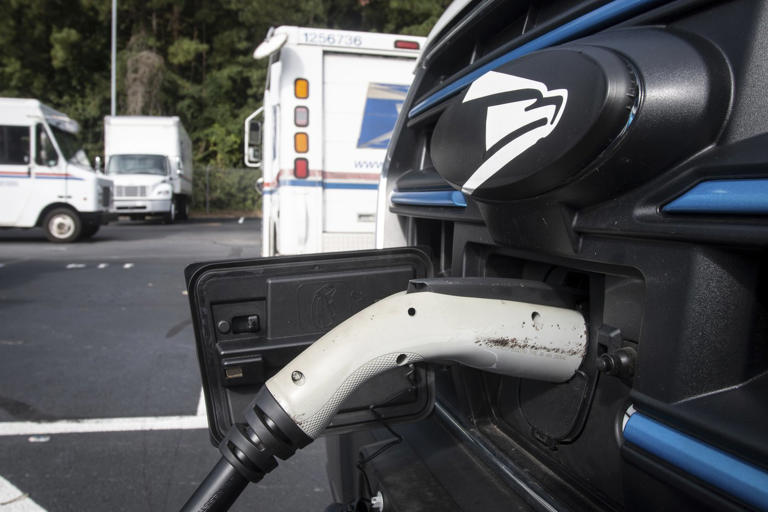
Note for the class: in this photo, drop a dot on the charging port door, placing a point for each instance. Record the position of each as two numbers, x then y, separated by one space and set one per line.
251 317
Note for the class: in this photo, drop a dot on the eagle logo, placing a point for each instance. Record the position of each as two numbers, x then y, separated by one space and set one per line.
525 113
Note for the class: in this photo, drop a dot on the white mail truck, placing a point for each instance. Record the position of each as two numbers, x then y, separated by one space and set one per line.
331 101
150 160
45 177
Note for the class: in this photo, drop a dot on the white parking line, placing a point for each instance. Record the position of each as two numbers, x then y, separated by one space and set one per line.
129 424
13 500
201 411
29 428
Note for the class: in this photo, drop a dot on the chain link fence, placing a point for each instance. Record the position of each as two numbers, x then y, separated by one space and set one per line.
230 191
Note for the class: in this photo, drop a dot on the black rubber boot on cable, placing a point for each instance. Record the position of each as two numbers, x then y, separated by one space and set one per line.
248 453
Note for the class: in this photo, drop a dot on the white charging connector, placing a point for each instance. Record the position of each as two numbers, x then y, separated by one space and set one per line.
502 336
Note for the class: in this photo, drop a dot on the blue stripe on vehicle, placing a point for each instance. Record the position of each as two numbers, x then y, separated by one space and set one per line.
300 183
19 176
612 12
430 198
356 186
722 470
327 184
747 196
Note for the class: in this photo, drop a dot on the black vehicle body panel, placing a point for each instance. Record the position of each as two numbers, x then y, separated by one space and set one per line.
685 291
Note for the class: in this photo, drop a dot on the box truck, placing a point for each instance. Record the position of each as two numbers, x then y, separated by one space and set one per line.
331 101
45 177
150 160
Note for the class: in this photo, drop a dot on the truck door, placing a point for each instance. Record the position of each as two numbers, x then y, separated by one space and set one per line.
16 179
362 96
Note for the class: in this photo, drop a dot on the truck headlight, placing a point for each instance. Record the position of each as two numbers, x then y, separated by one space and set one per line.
162 190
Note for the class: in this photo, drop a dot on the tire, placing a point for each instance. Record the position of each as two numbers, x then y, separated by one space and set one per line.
182 208
62 225
170 217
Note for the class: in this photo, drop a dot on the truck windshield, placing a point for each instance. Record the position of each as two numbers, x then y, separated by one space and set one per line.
70 147
138 164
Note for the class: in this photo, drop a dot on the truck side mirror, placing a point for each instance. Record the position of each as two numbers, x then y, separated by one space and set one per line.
179 166
253 139
97 164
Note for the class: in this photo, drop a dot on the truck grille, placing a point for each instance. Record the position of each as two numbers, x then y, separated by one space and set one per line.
106 196
130 191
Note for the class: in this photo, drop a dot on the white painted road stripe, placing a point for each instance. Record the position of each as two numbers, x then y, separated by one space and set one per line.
201 405
76 265
129 424
13 500
30 428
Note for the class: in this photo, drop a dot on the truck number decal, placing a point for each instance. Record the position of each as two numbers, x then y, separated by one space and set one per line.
331 39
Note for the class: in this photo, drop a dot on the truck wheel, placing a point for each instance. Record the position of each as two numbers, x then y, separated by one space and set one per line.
182 208
62 225
170 217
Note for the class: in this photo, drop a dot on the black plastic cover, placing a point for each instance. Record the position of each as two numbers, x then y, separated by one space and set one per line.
296 300
540 118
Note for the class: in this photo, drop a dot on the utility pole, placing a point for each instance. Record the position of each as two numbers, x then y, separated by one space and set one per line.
113 87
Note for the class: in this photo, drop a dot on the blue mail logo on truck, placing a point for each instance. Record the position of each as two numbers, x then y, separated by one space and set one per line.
382 106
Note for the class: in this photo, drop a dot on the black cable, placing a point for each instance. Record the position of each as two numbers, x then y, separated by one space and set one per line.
397 437
218 491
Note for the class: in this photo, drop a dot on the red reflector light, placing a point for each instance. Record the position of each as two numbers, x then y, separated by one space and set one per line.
406 45
301 168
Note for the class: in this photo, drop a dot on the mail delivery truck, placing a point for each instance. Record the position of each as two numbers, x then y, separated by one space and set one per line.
331 101
45 177
150 159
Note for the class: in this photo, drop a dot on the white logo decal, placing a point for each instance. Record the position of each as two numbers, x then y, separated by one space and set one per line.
507 118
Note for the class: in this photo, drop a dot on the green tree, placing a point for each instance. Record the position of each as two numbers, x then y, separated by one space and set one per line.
190 58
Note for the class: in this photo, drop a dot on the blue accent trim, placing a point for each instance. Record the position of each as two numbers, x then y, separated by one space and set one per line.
430 198
609 13
747 196
744 481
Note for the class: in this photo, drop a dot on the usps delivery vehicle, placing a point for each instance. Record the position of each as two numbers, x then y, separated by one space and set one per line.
45 177
331 101
150 160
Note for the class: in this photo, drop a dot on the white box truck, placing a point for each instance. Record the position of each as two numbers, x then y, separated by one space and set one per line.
150 160
331 101
45 177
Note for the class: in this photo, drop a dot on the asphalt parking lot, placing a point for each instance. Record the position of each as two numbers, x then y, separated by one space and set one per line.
99 385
